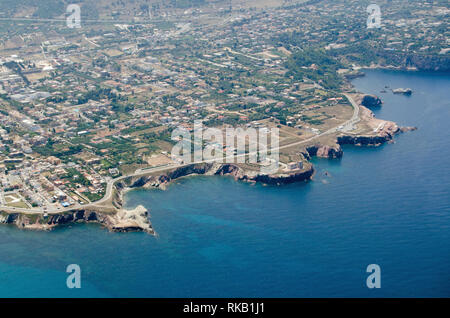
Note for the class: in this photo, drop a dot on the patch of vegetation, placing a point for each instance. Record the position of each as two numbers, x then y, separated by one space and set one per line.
317 65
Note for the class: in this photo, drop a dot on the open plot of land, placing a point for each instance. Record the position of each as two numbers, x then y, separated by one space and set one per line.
14 200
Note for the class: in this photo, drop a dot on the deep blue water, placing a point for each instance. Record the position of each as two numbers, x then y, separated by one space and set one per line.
220 238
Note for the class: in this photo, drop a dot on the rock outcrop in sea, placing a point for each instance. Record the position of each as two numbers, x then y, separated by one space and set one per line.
371 101
404 91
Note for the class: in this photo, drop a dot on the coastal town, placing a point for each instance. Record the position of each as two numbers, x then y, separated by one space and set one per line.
81 108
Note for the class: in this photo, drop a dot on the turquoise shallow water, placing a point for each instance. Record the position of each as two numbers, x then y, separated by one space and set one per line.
221 238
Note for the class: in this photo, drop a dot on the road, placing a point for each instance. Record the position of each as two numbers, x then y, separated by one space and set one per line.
347 126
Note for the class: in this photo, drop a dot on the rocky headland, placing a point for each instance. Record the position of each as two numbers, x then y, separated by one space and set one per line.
234 170
115 220
376 132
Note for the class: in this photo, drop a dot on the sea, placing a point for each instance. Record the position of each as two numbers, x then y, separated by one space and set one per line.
218 237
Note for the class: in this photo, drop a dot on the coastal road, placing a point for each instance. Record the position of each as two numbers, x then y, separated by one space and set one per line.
347 126
350 125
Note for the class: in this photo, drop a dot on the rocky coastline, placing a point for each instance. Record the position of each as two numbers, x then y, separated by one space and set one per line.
119 220
234 170
116 218
421 62
324 151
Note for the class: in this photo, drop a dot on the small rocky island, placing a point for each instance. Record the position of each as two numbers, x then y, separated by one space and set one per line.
404 91
371 101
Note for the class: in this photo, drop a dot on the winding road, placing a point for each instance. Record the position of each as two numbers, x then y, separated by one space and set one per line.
345 127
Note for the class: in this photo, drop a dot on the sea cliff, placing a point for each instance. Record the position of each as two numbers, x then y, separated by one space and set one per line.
115 220
235 170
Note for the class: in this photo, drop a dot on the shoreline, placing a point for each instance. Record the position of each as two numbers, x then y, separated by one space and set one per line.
110 211
116 218
360 71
